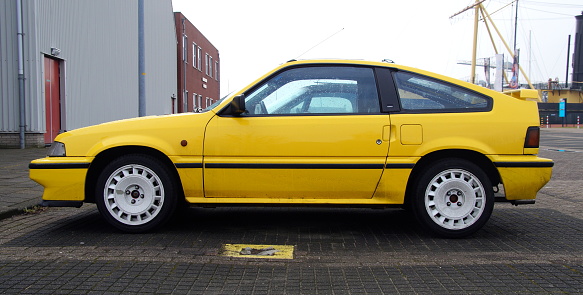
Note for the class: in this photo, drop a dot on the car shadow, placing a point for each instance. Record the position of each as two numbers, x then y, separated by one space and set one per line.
316 231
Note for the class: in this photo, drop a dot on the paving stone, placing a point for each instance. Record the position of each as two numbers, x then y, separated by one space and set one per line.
525 249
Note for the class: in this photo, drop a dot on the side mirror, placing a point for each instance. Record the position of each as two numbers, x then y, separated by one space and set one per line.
238 105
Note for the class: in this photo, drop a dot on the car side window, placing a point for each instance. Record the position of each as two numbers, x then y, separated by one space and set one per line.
418 92
316 90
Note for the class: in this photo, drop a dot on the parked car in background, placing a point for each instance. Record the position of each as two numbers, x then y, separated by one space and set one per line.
317 132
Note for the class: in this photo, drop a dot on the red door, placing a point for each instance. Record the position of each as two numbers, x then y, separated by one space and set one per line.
52 99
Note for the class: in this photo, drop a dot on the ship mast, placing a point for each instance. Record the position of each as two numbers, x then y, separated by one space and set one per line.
515 25
479 8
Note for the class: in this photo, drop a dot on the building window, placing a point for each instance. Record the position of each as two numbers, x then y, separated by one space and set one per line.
194 104
185 102
194 49
217 71
209 65
206 63
210 73
198 58
200 101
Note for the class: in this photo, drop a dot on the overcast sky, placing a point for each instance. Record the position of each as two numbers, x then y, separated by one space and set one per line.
254 36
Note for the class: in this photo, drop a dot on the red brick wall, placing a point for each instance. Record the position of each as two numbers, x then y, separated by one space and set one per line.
197 79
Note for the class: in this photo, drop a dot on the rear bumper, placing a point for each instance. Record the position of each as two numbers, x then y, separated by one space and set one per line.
523 176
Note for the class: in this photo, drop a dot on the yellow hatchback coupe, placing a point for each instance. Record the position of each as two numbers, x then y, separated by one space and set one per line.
319 132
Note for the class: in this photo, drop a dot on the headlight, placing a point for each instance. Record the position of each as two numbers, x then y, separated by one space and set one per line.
57 149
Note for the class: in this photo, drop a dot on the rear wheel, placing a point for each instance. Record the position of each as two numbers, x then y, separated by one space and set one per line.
453 198
135 193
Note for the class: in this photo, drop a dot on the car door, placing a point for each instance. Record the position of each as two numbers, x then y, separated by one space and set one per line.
309 132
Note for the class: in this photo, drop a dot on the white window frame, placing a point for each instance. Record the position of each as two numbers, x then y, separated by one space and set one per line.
217 70
199 58
185 102
206 64
194 55
210 73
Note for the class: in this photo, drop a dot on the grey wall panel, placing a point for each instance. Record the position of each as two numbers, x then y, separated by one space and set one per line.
35 104
98 43
9 91
160 57
8 68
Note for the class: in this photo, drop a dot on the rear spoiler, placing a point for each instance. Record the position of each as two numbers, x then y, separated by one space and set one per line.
524 94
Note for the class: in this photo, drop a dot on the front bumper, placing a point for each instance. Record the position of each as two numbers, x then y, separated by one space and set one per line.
62 177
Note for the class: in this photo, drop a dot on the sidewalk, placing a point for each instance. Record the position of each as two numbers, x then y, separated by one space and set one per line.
17 191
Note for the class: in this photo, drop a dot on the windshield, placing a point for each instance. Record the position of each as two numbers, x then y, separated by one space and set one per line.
216 103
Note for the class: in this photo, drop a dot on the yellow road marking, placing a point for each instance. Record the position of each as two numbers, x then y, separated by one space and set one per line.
281 251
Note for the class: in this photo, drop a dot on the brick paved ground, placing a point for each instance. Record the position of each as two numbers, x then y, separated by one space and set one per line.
526 249
17 191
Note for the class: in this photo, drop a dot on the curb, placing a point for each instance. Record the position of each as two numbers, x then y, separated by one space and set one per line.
9 212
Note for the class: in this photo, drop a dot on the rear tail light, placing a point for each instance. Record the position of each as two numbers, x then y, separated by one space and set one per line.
532 137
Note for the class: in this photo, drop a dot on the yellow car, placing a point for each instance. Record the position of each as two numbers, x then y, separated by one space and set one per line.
317 132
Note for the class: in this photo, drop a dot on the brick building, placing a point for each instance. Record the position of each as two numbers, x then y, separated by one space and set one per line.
198 66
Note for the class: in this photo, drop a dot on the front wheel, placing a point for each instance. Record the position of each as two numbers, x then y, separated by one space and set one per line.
135 193
453 198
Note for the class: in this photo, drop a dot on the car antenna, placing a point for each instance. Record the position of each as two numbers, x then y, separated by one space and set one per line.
318 44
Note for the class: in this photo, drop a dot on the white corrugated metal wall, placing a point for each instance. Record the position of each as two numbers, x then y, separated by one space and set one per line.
98 44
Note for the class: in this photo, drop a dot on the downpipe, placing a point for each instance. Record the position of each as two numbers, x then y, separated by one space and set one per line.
21 93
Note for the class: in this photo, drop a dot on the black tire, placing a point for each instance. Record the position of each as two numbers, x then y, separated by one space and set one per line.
136 193
452 198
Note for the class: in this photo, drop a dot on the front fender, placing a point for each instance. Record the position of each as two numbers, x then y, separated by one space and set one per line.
168 147
172 135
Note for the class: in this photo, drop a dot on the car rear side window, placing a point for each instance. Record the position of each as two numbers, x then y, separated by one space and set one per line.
316 90
421 93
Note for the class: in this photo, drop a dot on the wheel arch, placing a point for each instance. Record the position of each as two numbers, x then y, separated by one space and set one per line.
106 156
477 158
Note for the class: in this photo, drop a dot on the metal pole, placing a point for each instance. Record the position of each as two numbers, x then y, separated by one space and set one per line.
184 57
505 44
568 55
475 48
515 26
493 44
530 53
21 93
141 61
